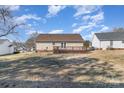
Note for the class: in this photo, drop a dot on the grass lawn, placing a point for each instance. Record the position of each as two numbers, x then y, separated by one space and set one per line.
95 67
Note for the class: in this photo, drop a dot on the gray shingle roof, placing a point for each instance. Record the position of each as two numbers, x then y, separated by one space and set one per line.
107 36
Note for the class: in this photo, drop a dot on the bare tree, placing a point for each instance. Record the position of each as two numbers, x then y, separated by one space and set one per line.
30 43
19 46
7 23
87 44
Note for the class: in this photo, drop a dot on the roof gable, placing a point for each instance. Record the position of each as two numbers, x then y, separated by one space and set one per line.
59 38
115 36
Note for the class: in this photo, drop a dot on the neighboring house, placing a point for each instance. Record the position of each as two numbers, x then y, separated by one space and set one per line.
6 47
106 40
47 42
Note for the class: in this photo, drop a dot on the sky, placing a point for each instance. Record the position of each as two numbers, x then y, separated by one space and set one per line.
85 20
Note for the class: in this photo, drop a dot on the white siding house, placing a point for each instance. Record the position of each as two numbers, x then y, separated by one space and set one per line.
106 40
6 47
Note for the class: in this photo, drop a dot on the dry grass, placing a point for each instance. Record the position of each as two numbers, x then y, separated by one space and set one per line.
97 66
115 57
109 55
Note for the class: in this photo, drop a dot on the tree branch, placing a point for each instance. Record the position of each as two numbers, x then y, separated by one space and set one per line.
10 30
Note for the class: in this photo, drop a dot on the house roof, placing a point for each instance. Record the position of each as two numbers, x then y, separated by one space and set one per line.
116 36
59 38
3 40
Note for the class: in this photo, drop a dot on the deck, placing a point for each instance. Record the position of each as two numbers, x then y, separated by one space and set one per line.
68 49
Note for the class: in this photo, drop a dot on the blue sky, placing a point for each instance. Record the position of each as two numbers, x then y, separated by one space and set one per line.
85 20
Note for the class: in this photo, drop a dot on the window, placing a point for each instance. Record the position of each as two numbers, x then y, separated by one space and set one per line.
123 41
53 43
64 44
61 45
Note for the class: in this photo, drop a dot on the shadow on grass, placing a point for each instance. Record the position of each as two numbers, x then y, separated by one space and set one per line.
53 72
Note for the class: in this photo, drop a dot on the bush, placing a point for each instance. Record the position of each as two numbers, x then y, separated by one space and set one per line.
17 52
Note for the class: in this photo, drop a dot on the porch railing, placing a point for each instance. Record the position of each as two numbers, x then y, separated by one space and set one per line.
58 49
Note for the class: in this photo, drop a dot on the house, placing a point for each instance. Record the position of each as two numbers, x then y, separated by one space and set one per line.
47 42
6 47
114 40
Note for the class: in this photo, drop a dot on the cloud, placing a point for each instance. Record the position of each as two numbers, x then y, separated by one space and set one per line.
74 24
30 25
98 17
95 18
29 32
14 7
90 22
86 9
87 36
104 28
56 31
11 7
87 17
24 18
54 10
81 28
